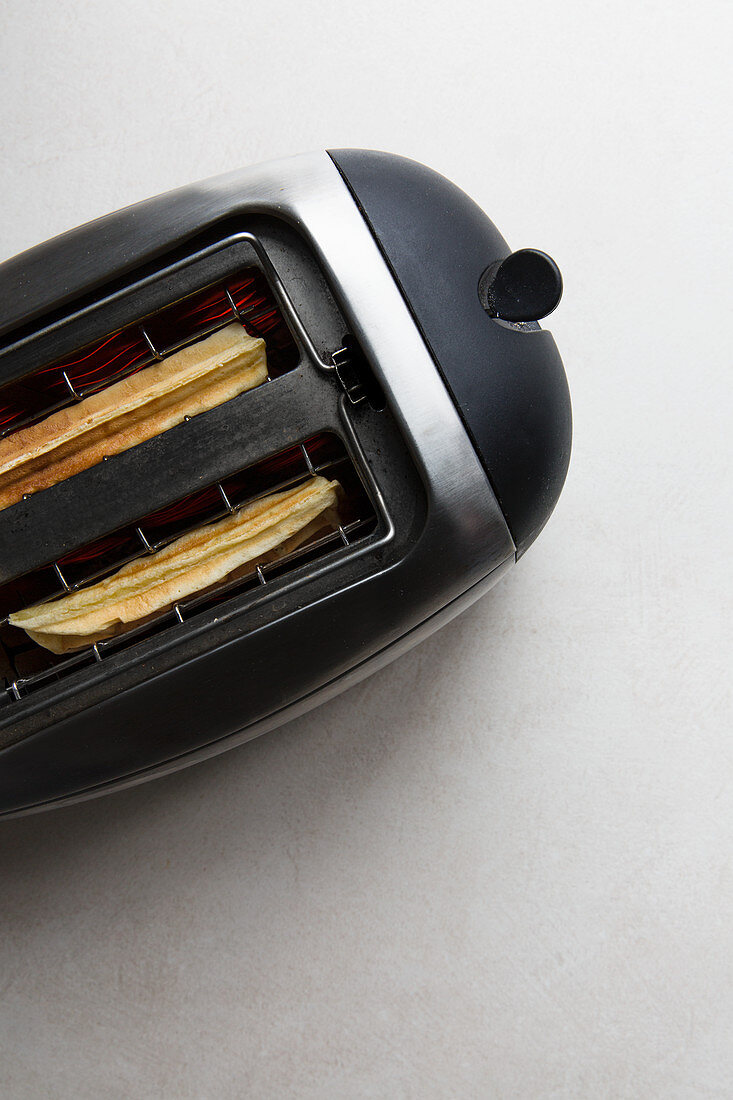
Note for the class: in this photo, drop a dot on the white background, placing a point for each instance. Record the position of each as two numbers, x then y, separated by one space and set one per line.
501 867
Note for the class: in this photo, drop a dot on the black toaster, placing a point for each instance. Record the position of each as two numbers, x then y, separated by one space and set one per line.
404 360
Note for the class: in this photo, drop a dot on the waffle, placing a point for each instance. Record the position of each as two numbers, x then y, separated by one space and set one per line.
206 374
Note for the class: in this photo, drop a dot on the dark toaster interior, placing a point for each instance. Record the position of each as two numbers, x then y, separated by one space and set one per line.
320 412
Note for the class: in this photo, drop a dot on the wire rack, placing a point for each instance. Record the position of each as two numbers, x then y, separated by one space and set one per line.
257 574
246 299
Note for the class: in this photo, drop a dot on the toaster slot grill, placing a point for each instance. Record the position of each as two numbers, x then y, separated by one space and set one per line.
26 666
245 297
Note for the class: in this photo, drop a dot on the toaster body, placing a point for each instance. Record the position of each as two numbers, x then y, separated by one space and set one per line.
448 428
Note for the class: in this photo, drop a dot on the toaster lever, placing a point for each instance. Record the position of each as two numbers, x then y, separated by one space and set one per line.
525 286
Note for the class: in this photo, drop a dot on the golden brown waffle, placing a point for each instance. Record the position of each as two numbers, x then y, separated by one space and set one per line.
206 374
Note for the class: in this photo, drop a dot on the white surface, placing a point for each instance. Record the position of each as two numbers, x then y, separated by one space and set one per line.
501 868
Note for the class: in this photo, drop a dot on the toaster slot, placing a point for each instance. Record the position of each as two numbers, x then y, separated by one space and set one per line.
26 666
189 358
245 298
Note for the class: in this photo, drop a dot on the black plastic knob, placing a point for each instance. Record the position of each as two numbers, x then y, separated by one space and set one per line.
526 286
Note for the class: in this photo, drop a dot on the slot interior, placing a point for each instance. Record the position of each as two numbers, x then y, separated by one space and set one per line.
246 297
25 666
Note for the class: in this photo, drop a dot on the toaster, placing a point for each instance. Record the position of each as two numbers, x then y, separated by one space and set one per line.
404 360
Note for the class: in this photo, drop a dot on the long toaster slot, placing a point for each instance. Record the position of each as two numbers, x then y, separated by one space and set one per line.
245 297
26 666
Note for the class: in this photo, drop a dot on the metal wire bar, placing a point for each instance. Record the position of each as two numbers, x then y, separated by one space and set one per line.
307 457
149 548
61 577
75 395
153 350
222 492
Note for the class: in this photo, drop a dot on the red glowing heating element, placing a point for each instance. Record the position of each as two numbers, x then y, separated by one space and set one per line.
125 352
